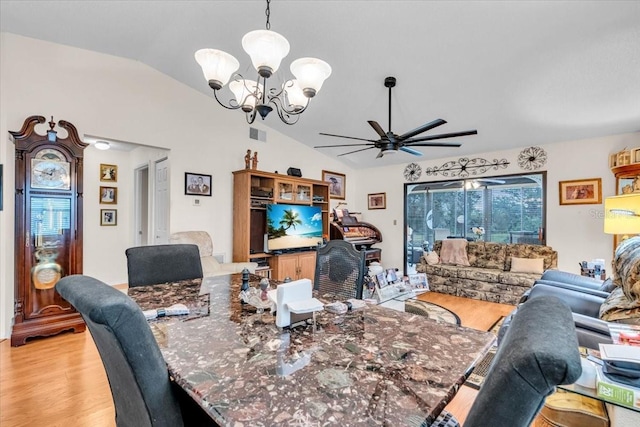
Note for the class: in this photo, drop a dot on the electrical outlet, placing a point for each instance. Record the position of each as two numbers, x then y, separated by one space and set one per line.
196 202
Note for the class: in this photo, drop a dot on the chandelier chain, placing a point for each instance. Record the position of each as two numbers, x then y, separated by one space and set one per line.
268 13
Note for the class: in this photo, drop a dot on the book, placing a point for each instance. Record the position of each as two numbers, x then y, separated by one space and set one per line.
615 392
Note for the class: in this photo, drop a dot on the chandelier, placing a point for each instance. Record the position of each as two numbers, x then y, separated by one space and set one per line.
266 49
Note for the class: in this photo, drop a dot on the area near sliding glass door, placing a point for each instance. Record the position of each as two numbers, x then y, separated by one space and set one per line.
508 209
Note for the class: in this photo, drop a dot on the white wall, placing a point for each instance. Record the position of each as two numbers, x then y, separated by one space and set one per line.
125 100
576 232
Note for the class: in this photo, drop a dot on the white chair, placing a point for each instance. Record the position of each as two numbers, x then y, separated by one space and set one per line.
210 265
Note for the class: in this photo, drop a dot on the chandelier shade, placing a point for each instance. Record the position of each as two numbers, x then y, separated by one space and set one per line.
266 49
247 93
217 66
311 73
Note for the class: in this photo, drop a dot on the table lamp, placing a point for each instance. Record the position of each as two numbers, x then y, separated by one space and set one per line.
622 215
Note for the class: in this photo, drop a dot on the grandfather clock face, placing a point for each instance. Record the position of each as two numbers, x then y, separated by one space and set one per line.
50 169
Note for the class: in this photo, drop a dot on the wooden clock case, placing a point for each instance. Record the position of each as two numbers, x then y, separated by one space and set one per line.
48 228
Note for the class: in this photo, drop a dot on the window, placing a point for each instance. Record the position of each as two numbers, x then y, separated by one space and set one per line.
510 209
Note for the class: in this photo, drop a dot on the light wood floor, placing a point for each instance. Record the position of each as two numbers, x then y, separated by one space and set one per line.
60 380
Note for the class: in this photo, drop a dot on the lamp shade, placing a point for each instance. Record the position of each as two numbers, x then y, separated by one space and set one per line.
266 49
311 73
246 92
295 97
622 214
217 66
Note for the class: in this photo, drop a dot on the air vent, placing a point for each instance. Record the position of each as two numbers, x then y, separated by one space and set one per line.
257 134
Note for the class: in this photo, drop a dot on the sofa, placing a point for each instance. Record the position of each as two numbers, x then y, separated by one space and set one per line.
496 272
210 265
594 303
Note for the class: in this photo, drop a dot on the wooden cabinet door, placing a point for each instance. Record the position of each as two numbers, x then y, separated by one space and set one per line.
285 266
307 265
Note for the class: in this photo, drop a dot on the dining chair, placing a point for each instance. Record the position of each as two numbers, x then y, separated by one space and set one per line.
340 270
539 351
142 391
151 265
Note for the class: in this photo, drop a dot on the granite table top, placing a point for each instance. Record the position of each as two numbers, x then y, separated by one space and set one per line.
373 366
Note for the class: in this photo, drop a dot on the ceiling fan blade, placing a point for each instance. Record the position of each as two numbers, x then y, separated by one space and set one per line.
341 145
377 128
355 151
380 154
411 151
442 136
425 127
348 137
434 144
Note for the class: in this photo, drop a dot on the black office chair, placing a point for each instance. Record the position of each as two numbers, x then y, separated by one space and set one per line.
151 265
142 392
538 352
340 270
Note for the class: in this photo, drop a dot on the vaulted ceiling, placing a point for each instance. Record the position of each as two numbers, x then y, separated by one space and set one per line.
520 72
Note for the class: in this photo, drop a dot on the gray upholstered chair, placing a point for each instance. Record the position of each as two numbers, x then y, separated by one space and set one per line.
150 265
539 351
142 391
340 270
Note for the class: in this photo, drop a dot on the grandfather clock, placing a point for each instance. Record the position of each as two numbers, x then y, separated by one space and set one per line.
48 228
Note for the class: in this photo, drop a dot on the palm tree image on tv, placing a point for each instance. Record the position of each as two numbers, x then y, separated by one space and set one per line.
293 226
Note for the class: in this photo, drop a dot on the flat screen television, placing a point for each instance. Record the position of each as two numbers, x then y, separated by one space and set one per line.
293 227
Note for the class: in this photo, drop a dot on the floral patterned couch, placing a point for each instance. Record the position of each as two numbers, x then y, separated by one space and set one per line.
489 275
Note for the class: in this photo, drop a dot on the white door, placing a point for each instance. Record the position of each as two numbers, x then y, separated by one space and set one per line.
141 206
161 203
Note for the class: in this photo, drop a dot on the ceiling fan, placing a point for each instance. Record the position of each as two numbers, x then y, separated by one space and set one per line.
475 182
390 143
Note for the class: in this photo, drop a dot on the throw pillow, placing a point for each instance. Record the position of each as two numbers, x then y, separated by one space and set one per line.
607 286
527 265
432 258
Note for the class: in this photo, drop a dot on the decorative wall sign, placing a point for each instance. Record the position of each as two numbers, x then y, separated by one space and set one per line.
464 167
412 172
532 158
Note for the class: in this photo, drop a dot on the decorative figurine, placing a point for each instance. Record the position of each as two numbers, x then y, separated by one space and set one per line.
254 162
264 285
247 159
245 279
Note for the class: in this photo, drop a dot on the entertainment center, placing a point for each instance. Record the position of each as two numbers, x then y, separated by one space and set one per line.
279 219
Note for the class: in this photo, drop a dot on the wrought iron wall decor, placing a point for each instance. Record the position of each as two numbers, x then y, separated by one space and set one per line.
532 158
464 167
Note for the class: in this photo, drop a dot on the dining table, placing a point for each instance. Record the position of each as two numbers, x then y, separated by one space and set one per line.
368 366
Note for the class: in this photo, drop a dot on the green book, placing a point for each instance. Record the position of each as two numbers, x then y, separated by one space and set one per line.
615 392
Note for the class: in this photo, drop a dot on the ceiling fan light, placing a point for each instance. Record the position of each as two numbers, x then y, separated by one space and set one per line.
247 93
266 49
217 66
385 151
311 74
295 97
102 145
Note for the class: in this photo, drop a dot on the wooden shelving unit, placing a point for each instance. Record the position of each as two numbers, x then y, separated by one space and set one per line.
253 190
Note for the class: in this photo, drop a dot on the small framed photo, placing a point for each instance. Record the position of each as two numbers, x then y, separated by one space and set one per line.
108 216
377 200
108 173
197 184
108 195
337 184
419 281
581 191
391 275
381 278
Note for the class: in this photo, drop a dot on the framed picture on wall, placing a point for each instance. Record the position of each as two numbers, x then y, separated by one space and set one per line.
197 184
581 191
337 184
108 195
108 173
108 216
377 200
